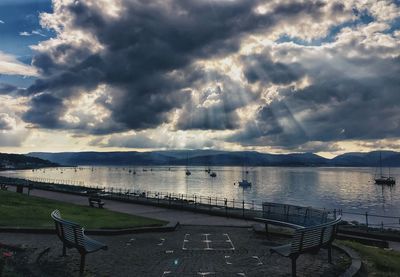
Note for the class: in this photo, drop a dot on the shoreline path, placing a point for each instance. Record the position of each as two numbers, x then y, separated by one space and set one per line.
204 245
171 215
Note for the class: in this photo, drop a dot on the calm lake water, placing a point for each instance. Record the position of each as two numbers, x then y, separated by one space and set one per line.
350 189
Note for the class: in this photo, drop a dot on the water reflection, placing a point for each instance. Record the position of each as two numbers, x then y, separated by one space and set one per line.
345 188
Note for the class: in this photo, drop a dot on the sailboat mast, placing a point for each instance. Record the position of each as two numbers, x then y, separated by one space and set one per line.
380 162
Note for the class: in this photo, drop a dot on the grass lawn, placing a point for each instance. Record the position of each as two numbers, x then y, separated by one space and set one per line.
378 262
20 210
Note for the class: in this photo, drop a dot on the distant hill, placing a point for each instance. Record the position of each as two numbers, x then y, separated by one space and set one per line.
389 158
16 161
211 157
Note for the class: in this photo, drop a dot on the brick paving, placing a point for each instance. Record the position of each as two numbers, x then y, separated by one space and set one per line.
188 251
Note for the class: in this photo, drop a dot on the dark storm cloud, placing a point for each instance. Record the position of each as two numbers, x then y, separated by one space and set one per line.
260 68
143 48
45 109
350 104
12 90
7 88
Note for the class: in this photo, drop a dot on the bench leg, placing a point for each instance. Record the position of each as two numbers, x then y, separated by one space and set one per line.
82 266
294 266
329 254
266 229
64 251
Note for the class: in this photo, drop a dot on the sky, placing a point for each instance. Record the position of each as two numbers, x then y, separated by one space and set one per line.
272 76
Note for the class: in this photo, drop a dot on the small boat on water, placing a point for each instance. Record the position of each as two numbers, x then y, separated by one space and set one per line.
384 180
213 174
244 183
187 171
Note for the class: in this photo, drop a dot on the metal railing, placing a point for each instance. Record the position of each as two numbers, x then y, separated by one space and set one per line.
201 203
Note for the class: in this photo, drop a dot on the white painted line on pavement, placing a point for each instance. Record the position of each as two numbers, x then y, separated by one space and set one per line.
258 259
230 241
205 273
162 242
185 240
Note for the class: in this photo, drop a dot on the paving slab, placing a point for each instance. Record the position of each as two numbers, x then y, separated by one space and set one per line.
188 251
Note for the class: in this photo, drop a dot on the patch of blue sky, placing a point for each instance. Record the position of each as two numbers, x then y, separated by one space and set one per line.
21 16
16 80
394 26
362 18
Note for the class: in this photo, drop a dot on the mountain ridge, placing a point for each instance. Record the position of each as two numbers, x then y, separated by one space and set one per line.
218 157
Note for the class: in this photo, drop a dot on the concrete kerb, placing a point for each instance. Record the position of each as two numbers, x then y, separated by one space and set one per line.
356 263
171 226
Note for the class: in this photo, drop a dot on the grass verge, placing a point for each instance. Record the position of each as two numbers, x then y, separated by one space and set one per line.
19 210
377 261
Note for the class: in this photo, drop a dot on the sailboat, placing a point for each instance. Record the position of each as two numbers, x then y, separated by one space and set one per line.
244 183
187 172
384 180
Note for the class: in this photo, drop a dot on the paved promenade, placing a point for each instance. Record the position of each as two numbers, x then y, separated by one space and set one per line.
204 246
189 251
184 217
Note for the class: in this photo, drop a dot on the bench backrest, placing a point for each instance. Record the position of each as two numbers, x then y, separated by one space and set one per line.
69 232
314 237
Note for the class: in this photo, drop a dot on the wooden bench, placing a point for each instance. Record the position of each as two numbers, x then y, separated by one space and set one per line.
95 200
309 239
72 236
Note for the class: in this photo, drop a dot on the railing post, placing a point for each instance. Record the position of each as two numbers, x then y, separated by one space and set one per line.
233 203
226 207
243 208
334 213
209 200
366 219
381 226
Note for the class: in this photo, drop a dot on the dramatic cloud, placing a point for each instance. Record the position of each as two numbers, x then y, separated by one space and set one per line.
6 122
142 51
34 32
12 130
353 91
7 88
286 75
9 65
